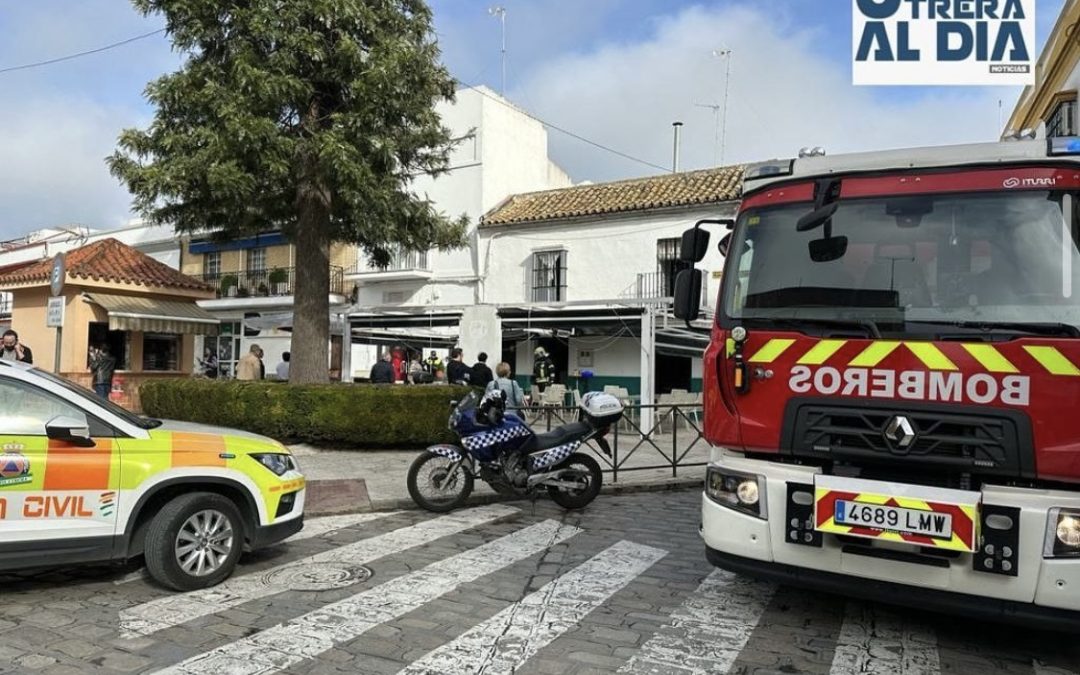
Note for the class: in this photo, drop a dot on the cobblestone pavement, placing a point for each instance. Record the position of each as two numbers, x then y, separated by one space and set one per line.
525 587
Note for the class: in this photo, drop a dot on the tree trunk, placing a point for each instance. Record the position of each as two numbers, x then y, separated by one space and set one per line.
311 309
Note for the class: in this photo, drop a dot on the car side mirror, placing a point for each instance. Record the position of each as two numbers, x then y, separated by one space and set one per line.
69 430
687 303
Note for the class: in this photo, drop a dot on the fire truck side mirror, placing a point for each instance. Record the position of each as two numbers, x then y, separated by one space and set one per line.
695 244
688 294
724 245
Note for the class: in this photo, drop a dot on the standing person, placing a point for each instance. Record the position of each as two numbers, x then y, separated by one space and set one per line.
433 363
415 369
383 371
208 364
456 371
481 374
283 367
515 398
102 367
251 366
14 350
543 369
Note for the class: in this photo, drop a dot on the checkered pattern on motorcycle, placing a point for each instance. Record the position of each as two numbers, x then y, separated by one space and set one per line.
553 456
494 437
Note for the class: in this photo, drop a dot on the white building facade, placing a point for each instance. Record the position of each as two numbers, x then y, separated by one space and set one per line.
588 273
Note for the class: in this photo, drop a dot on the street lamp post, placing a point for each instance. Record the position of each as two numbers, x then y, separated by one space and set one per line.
500 12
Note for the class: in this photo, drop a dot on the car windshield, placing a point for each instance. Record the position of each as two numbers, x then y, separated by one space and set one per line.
979 262
119 411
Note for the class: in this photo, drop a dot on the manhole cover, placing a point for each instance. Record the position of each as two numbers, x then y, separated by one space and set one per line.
317 576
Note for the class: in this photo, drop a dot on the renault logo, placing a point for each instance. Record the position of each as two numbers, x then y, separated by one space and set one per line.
900 431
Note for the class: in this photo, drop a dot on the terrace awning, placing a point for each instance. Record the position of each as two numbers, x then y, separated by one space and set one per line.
153 315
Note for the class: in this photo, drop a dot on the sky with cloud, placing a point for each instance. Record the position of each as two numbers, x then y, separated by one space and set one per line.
615 71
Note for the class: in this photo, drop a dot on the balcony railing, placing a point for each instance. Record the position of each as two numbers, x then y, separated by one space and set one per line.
653 285
266 283
409 261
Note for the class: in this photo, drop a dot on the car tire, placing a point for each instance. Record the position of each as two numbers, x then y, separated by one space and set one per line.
194 541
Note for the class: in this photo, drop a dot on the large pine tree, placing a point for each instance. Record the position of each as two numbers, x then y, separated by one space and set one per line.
308 116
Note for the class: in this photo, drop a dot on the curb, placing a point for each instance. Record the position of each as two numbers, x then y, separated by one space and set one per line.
406 503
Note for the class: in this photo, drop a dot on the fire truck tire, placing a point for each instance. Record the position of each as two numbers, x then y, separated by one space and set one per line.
588 474
194 542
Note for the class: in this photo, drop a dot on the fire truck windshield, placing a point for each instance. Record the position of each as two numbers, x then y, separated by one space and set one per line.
987 262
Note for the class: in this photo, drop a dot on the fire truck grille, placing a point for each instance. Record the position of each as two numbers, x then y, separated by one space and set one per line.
977 442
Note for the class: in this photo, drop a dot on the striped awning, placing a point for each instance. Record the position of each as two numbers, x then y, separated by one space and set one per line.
153 315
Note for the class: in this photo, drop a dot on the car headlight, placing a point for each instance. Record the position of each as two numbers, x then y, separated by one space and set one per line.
740 491
1063 534
280 464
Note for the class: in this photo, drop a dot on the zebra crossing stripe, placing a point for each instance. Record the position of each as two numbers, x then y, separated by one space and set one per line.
877 642
504 642
305 637
313 527
708 631
173 610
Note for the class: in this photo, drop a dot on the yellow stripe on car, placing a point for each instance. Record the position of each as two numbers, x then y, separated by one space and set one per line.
990 358
771 350
1053 360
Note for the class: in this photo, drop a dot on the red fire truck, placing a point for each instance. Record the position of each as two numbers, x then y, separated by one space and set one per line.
893 376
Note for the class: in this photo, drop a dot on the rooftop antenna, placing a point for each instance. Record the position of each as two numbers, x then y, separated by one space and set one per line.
716 108
724 54
499 11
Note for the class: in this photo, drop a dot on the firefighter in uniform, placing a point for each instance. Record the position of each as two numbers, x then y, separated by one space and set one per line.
543 369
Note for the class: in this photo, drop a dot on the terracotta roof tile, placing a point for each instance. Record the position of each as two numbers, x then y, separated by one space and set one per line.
679 189
107 260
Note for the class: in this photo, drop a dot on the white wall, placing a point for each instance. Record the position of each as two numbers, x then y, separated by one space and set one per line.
504 152
612 357
604 254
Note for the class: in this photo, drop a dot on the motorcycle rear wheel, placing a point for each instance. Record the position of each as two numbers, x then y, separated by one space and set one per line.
589 476
432 486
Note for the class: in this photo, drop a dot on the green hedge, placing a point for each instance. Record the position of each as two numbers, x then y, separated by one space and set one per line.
353 415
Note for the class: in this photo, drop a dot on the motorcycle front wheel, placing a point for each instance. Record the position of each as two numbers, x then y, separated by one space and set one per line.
434 487
583 470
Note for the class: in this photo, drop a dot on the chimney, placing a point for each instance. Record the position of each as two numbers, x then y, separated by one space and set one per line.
677 126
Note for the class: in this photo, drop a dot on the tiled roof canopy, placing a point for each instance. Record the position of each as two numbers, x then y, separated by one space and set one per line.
678 189
107 260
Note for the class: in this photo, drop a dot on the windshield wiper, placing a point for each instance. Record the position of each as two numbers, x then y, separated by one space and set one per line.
867 325
1049 328
150 423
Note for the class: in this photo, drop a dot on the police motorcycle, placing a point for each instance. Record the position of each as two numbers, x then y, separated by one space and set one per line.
499 448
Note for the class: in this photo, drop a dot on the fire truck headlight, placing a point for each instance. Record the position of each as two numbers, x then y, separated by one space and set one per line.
1063 534
747 492
739 491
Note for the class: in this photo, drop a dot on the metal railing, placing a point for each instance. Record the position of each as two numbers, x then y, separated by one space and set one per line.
405 261
652 285
266 282
647 438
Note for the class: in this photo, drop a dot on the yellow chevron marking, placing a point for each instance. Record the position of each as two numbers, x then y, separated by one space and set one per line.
931 356
771 350
990 358
821 352
1053 360
874 354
